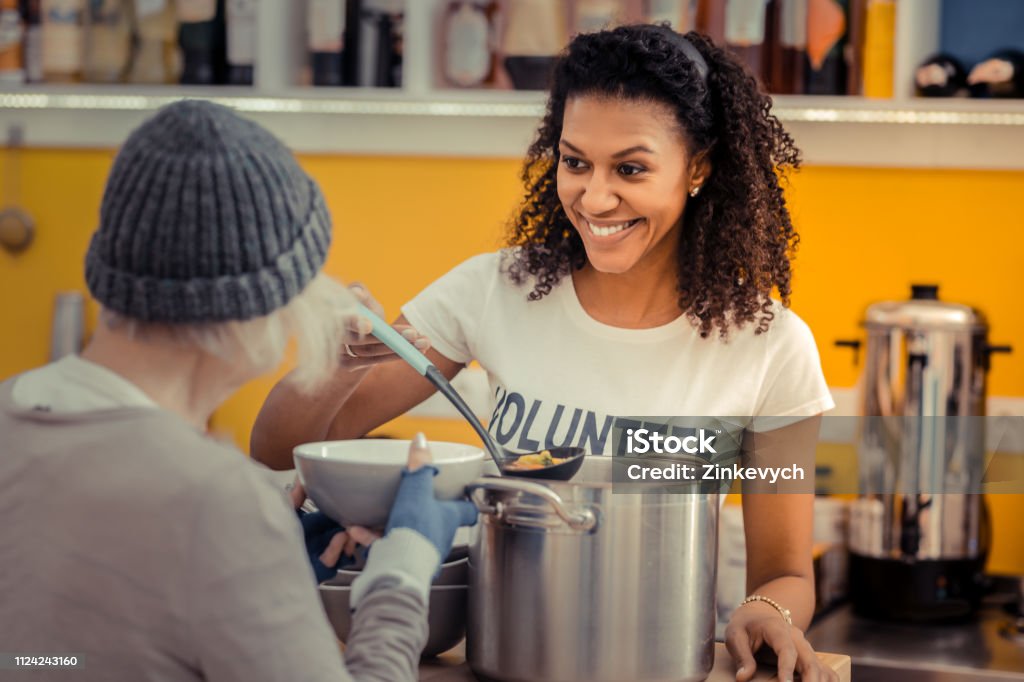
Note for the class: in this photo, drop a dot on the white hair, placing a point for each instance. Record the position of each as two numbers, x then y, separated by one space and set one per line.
316 318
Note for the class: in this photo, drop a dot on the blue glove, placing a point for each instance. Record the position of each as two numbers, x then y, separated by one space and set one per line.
417 509
412 558
318 530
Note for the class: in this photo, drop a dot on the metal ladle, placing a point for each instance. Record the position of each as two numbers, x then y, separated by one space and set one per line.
503 458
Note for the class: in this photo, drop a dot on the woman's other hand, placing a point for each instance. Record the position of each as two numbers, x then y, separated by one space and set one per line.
362 349
757 624
328 545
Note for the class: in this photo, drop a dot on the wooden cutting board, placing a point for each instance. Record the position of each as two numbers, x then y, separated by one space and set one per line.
452 667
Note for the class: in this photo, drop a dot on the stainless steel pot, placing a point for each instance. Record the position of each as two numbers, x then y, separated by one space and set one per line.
569 581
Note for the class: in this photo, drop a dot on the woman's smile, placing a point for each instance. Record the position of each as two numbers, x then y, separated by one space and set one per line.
605 229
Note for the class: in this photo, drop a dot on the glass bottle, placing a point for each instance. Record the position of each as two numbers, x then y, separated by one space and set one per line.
856 37
12 34
744 31
790 46
711 19
63 40
679 14
535 31
32 15
201 36
595 15
241 41
879 48
826 44
157 59
1000 74
381 24
325 22
108 41
468 43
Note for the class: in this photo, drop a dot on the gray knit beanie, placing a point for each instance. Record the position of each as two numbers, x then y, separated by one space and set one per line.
206 217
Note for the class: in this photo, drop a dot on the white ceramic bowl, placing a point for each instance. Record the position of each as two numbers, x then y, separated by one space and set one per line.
354 482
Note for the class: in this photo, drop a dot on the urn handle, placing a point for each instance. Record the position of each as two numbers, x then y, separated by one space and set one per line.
855 344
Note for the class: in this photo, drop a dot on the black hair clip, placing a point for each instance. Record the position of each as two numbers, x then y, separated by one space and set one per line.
688 49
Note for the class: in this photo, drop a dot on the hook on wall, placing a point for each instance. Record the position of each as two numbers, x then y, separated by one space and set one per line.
17 228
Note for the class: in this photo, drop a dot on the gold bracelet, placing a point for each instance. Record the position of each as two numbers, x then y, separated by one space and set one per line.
770 602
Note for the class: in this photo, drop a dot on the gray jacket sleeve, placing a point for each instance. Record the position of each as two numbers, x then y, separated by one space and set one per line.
388 633
253 607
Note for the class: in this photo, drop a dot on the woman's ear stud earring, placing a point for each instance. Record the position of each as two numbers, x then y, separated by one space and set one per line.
695 190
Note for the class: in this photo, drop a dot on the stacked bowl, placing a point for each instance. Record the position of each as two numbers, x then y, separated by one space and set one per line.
355 482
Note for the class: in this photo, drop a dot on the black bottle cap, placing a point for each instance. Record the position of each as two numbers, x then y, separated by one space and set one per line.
326 68
955 72
197 69
924 292
240 74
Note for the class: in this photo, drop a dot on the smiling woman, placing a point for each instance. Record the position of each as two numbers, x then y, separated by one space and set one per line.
638 281
631 137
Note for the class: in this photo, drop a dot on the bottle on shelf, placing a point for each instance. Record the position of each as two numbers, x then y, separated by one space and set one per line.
63 33
108 41
12 36
596 15
711 20
351 42
468 42
201 36
879 48
241 41
745 32
157 59
32 44
826 43
856 36
941 75
381 24
392 46
786 49
770 49
325 31
681 15
999 75
534 33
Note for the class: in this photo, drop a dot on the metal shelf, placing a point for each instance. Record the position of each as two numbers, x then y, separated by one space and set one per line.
846 131
482 103
421 120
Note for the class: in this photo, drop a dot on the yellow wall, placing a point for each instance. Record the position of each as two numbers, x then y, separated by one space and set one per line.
867 233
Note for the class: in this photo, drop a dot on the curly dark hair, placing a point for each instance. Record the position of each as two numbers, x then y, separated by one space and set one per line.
737 238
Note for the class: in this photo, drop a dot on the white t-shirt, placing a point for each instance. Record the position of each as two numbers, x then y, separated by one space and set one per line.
559 377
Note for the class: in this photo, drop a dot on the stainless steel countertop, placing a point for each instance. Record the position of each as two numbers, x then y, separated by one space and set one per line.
913 652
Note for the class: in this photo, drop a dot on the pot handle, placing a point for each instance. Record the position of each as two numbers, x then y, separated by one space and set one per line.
582 518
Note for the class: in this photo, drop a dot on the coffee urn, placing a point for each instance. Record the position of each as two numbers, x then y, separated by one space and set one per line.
919 532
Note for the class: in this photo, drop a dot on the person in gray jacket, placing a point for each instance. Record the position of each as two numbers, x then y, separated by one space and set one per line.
131 538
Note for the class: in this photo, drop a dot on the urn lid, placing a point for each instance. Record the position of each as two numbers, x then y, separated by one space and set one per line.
924 311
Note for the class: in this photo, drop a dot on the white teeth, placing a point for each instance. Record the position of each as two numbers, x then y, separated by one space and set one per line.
611 229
